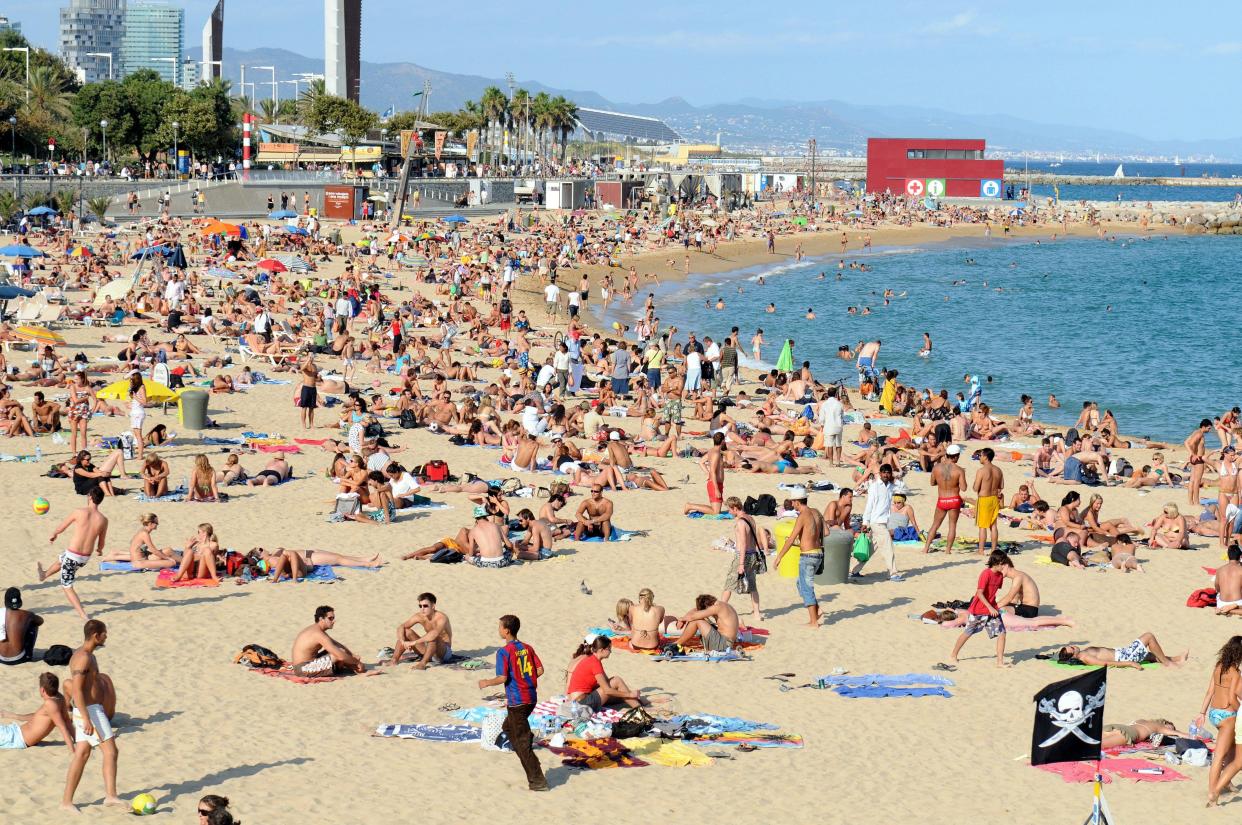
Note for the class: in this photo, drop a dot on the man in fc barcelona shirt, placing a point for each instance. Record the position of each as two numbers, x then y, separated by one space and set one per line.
518 668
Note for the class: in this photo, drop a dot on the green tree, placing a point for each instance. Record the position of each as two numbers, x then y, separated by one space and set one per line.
99 206
108 101
330 114
495 108
204 121
8 205
66 201
521 116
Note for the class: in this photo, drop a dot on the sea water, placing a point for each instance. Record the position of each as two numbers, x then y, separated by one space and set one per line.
1146 327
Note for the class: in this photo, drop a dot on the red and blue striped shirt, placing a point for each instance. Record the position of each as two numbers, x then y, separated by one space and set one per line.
520 666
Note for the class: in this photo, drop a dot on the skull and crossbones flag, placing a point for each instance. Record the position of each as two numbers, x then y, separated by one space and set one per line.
1069 719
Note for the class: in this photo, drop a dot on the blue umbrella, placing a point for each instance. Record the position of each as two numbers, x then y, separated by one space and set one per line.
20 250
42 210
282 213
217 272
295 230
455 219
147 251
8 292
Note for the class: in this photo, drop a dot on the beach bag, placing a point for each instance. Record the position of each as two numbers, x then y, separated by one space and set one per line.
258 656
407 420
633 723
373 430
493 729
862 547
764 505
436 470
907 533
57 655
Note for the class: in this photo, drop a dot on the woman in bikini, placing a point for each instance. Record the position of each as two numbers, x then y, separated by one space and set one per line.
232 472
1112 527
203 481
1169 530
1228 471
154 476
295 564
143 552
647 620
198 561
1220 707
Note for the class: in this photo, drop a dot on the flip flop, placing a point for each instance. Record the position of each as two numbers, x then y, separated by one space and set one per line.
944 667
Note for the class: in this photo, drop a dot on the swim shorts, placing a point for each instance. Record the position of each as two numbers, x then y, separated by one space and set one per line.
103 727
1136 651
319 666
492 563
11 737
1026 611
70 564
782 465
949 503
308 398
715 495
1130 732
994 625
986 511
715 642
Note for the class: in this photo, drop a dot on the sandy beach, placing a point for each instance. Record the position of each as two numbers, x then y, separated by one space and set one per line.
191 722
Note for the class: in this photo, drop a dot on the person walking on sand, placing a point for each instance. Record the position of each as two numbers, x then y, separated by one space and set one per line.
950 483
875 522
990 489
90 529
808 533
983 614
518 668
92 727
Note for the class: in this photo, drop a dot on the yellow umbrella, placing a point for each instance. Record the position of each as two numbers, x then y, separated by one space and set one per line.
39 335
157 393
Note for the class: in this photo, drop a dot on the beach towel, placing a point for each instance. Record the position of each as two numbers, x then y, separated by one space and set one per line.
286 672
715 516
1072 666
311 442
900 680
669 754
278 448
431 733
318 573
616 535
758 740
1083 772
121 567
178 494
434 505
878 692
165 579
595 754
706 724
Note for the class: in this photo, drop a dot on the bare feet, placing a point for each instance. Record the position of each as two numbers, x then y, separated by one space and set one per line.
420 666
69 807
42 576
114 800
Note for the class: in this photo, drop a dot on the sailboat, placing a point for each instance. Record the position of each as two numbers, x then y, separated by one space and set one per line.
1119 173
1177 161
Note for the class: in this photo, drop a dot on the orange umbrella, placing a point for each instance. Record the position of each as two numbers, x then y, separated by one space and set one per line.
39 335
221 228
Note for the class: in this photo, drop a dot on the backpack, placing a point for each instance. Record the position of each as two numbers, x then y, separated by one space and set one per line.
258 656
373 430
408 420
57 655
436 470
765 505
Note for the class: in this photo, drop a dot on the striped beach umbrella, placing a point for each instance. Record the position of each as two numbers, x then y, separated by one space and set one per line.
295 263
82 252
39 335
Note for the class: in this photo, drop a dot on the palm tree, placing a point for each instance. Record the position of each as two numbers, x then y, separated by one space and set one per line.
8 206
520 107
268 109
48 95
564 114
66 199
308 96
99 206
541 114
495 111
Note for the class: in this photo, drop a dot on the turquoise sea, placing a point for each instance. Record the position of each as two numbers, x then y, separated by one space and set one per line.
1143 326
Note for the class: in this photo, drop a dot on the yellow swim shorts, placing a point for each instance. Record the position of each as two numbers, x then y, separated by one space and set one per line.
986 511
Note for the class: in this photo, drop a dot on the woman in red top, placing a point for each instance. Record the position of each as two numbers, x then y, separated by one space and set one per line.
983 613
589 684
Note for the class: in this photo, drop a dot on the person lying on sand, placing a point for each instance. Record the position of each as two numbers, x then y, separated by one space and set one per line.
32 728
295 564
1146 648
1139 731
275 472
315 653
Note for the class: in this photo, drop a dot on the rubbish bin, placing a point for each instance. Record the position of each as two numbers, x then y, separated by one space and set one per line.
193 409
789 564
838 545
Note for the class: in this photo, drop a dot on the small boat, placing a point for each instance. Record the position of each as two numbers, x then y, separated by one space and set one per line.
1120 172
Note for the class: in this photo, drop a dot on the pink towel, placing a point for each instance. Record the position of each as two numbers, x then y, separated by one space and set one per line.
1081 772
278 448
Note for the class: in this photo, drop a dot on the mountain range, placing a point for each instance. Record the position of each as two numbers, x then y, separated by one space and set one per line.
749 124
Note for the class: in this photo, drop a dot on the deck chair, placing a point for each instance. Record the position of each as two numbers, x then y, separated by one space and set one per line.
161 375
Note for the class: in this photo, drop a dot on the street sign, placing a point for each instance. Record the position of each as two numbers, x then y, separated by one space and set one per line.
989 188
914 187
936 187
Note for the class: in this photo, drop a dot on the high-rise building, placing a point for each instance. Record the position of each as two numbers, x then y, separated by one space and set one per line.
90 37
7 25
213 43
189 76
342 47
154 34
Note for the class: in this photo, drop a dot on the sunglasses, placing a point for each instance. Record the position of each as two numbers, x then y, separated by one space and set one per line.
423 604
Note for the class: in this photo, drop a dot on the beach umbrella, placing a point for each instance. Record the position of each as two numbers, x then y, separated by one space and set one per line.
157 393
272 265
294 262
295 230
800 221
81 252
785 362
20 250
218 272
116 290
455 219
39 211
39 335
221 228
8 292
280 214
148 251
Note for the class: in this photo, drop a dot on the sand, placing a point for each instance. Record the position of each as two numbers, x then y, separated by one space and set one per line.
191 722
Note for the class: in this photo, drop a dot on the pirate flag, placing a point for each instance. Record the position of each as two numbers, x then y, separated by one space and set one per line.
1069 719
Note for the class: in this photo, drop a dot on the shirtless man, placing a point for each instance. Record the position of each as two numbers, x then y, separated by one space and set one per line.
92 727
1146 648
1139 731
808 534
538 536
837 513
868 358
32 728
990 488
950 483
713 621
594 517
435 644
309 395
713 465
1228 584
1022 597
1194 443
275 472
315 653
21 628
485 544
90 529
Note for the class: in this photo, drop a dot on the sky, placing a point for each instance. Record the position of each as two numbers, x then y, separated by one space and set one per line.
1152 70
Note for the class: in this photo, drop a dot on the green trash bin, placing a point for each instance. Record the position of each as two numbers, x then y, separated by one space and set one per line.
194 409
838 545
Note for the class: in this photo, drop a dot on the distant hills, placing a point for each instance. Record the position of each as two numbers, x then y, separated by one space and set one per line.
749 124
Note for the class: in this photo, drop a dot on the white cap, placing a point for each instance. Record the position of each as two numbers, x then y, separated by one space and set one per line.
953 449
797 493
614 436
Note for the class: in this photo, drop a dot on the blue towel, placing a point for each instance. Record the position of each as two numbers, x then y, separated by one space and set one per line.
223 442
876 692
885 680
702 656
121 567
318 573
178 494
432 733
616 535
708 723
717 516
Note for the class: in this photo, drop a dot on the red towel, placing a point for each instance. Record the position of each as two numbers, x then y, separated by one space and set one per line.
1081 772
165 579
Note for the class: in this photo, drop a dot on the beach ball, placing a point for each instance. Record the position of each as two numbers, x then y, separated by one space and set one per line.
143 804
41 506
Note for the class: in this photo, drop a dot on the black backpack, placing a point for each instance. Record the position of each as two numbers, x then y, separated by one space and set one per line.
765 505
57 655
408 420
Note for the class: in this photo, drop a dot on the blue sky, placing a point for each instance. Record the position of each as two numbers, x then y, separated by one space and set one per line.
1162 71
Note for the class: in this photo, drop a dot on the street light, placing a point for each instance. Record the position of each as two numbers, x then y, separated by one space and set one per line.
103 125
176 155
13 141
273 81
296 87
103 54
25 49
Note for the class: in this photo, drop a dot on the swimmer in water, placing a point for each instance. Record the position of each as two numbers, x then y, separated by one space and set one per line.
810 313
761 281
866 311
720 304
927 345
1053 402
771 308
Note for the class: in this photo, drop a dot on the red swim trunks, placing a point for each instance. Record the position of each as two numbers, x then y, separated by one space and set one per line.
714 495
949 503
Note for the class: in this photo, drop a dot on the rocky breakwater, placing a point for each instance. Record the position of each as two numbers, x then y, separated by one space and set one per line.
1222 222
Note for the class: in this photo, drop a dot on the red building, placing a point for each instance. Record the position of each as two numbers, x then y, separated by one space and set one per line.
935 167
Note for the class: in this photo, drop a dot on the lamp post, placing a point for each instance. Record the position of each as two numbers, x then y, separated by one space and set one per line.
176 155
103 126
25 49
243 81
273 81
13 141
103 54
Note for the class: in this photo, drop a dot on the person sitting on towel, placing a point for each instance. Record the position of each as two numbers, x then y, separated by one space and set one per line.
713 621
315 653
